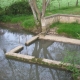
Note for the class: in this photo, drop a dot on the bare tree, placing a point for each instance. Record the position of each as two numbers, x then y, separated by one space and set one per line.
38 13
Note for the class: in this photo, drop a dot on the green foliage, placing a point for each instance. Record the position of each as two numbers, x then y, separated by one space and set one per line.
75 71
1 11
74 59
66 10
21 7
18 18
54 25
54 4
78 36
58 4
69 29
5 18
27 21
30 23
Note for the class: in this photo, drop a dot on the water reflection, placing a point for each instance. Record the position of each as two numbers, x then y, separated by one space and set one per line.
14 70
50 50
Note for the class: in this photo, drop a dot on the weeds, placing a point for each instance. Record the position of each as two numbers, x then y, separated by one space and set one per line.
74 59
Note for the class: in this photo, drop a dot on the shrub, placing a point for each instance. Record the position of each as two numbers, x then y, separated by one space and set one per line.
21 7
73 58
1 11
29 23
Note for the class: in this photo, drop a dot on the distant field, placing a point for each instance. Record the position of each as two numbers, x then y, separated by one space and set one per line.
55 4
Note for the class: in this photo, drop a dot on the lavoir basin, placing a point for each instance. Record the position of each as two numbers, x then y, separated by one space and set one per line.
16 70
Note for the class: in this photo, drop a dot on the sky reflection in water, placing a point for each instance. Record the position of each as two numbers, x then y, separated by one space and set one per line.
15 70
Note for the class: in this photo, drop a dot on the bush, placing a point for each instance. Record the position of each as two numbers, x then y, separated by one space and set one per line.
18 8
28 24
1 11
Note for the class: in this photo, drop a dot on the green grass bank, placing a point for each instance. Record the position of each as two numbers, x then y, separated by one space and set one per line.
68 29
27 21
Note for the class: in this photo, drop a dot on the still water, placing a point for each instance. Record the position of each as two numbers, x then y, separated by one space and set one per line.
15 70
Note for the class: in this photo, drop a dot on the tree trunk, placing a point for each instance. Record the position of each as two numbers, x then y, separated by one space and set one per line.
58 3
76 3
39 15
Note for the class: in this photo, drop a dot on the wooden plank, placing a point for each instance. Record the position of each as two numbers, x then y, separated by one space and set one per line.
32 40
60 39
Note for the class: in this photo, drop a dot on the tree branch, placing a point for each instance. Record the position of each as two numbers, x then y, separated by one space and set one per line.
47 3
43 8
33 10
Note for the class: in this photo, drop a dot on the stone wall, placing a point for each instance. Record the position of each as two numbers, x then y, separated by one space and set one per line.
69 18
63 18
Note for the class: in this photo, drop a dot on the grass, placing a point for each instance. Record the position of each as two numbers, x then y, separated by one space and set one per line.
27 21
74 59
63 3
66 10
68 29
28 24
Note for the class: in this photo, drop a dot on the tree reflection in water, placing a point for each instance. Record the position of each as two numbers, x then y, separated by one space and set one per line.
14 70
